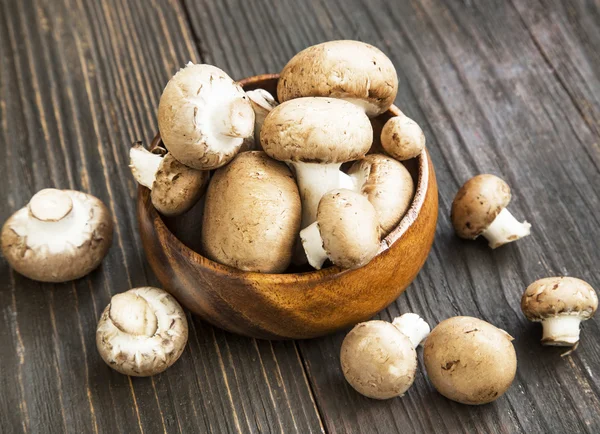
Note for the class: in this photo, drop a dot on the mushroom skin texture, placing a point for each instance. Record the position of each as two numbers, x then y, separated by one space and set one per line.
204 117
560 304
378 358
346 231
349 70
175 187
479 208
402 138
60 235
252 214
142 332
388 186
469 360
315 136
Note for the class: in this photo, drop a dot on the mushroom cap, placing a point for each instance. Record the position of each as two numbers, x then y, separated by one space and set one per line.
61 235
402 138
388 186
477 204
378 360
349 228
316 130
252 214
204 116
469 360
554 296
142 332
350 70
177 187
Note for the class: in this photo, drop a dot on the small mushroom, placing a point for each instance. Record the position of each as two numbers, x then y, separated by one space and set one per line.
350 70
204 117
560 304
378 358
388 186
402 138
315 136
262 103
60 235
142 332
346 231
479 208
252 214
469 360
175 186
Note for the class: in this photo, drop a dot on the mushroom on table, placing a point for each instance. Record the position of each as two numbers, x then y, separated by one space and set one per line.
479 208
560 304
60 235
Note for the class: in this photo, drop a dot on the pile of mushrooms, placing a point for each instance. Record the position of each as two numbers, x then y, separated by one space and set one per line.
269 169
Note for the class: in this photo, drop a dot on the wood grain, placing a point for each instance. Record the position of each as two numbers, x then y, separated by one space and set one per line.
79 81
494 94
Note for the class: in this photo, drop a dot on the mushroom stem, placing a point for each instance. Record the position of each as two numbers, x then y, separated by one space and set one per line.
504 229
143 164
314 180
413 327
313 245
231 119
561 331
346 181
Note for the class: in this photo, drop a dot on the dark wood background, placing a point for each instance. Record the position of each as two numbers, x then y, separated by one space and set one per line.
504 87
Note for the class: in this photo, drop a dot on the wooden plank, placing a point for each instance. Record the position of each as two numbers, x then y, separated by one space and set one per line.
474 77
79 81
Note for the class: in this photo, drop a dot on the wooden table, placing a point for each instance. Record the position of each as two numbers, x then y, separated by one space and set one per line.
504 87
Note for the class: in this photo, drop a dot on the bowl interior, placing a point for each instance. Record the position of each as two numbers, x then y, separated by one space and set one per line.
185 229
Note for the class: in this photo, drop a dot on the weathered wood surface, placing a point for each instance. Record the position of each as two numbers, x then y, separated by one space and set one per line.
510 88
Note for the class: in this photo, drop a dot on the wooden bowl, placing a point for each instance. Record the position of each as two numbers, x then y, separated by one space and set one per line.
294 305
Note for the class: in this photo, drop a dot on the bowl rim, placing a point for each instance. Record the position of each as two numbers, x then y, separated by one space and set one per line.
423 179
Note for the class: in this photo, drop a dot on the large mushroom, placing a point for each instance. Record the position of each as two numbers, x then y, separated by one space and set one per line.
402 138
479 208
469 360
252 214
350 70
560 304
60 235
388 186
204 117
142 332
175 187
315 136
378 358
346 231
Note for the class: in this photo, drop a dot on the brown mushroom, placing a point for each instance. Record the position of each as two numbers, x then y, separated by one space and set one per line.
402 138
469 360
252 214
479 208
350 70
60 235
142 332
560 304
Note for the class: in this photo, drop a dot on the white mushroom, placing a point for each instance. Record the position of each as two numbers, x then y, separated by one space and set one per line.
61 235
204 117
175 187
346 231
379 359
262 103
142 332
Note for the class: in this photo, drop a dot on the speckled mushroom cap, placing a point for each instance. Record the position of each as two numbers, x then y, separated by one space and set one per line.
553 296
316 130
349 228
402 138
252 214
60 235
378 360
388 186
142 332
204 116
469 360
350 70
477 204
